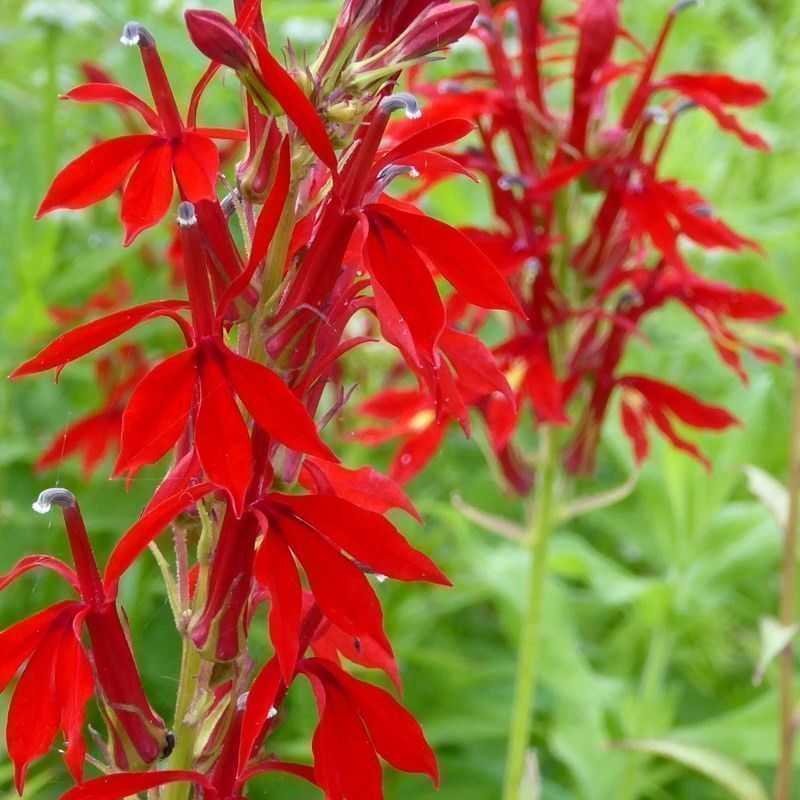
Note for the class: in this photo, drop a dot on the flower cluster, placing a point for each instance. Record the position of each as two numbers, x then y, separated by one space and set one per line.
588 232
276 255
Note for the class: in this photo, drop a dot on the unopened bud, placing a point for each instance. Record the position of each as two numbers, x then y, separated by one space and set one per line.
437 27
216 37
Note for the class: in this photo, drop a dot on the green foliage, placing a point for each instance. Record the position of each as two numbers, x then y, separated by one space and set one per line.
653 608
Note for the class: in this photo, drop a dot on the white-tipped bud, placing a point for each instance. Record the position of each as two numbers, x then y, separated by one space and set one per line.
136 35
657 114
401 101
684 4
54 497
186 215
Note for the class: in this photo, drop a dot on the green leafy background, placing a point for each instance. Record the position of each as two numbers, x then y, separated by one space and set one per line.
652 618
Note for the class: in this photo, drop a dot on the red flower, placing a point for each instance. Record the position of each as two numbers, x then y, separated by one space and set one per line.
202 381
185 151
59 677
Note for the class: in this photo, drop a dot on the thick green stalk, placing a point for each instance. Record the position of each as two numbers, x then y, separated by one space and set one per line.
788 711
185 727
528 663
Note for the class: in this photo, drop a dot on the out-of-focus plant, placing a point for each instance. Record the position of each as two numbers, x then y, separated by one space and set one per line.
574 117
260 509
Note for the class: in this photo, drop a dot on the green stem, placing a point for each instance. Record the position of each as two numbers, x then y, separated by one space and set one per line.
528 655
651 687
788 713
185 728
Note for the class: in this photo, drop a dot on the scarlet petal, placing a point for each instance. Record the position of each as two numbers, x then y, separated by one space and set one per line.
260 700
221 435
148 193
437 135
405 279
74 688
339 586
395 734
33 562
96 174
112 93
345 763
297 106
683 405
19 641
416 452
33 714
94 434
275 569
85 338
147 528
368 537
460 261
196 163
366 487
274 407
126 784
157 412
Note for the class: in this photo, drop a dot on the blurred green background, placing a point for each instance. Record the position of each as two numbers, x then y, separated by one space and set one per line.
654 605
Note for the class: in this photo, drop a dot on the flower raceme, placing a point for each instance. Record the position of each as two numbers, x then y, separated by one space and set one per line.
587 231
262 514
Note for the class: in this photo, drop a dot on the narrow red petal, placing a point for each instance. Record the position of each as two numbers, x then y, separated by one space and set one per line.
274 407
437 135
148 193
275 569
260 700
112 93
340 588
368 537
33 714
96 174
33 562
297 106
85 338
221 435
459 260
127 784
157 412
149 525
196 164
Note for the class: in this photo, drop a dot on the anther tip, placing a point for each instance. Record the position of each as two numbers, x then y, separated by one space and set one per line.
134 34
402 101
54 497
186 215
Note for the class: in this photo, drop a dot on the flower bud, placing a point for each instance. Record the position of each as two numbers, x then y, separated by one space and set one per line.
219 39
437 27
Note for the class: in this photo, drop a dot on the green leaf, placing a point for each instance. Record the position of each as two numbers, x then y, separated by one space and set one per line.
724 771
771 492
774 638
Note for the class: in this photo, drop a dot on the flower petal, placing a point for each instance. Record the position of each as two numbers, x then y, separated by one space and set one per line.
96 174
148 193
112 93
196 163
157 412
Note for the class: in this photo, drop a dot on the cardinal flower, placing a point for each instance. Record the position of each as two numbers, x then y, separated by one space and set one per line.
147 161
201 382
62 673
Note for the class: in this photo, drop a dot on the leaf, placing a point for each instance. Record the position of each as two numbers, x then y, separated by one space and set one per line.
774 639
771 492
737 779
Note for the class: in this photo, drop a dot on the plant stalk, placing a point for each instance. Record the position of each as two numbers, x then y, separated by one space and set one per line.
541 518
783 781
185 729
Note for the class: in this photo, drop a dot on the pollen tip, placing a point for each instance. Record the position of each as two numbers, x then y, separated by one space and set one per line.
186 215
402 100
54 497
681 5
134 34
